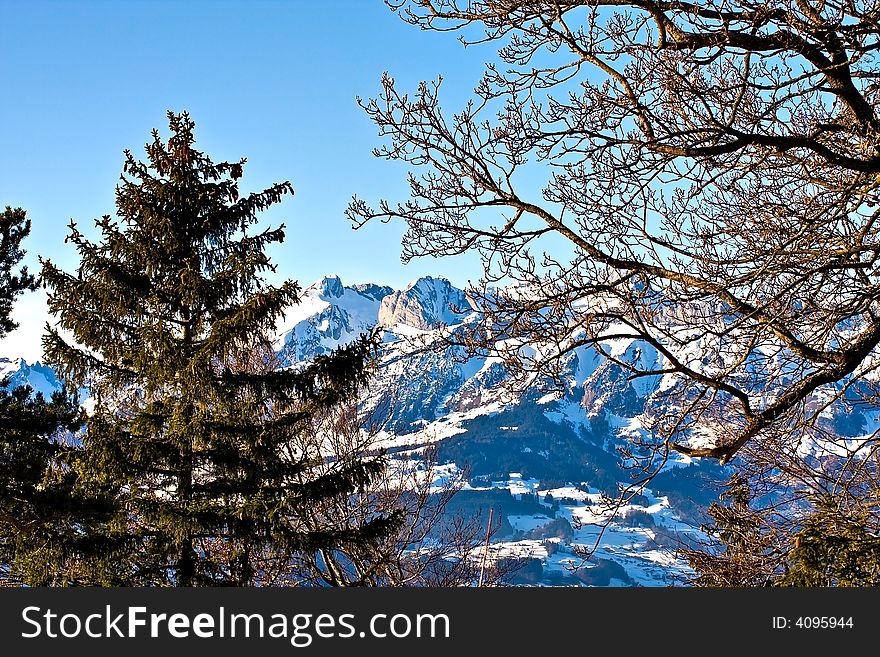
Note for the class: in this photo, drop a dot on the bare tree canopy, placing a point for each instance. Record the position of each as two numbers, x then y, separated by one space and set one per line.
703 177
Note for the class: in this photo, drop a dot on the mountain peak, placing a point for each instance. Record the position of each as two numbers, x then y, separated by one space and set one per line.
329 287
39 377
425 303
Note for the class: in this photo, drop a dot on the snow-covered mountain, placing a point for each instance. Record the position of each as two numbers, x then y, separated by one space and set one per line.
546 462
559 447
40 378
328 315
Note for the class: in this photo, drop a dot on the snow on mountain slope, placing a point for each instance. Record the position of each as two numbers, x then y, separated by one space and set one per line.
328 315
426 388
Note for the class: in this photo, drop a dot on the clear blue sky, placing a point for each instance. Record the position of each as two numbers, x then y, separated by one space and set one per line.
273 81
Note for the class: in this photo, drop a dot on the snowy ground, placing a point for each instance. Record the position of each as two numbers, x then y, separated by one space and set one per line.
596 535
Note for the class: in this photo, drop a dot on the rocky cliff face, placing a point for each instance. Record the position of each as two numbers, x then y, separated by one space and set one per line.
428 303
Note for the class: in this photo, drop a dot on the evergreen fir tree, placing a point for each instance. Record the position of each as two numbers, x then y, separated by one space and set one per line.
743 549
14 227
42 515
169 315
51 528
836 547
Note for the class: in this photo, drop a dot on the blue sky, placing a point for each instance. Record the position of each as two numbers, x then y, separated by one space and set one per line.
274 81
